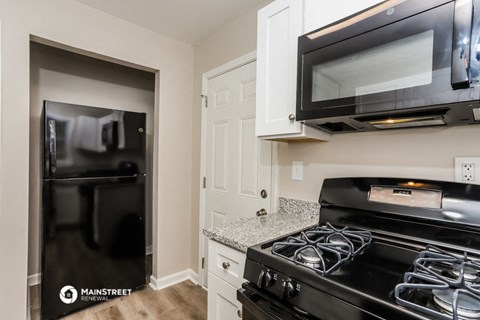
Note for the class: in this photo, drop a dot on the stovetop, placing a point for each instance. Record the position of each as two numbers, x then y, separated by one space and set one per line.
366 278
376 253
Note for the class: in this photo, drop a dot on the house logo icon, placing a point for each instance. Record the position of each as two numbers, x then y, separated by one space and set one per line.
68 294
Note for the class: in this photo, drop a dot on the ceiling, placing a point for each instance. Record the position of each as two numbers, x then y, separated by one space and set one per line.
189 21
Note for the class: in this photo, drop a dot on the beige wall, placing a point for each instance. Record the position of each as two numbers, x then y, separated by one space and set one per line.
230 42
414 153
58 75
78 26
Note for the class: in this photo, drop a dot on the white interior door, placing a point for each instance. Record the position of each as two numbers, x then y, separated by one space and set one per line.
238 165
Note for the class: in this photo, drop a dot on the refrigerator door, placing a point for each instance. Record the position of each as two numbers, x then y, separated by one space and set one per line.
93 238
82 141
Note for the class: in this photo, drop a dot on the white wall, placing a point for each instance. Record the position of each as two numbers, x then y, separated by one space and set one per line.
426 153
78 26
58 75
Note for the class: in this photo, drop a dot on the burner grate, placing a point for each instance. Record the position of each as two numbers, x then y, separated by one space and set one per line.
356 241
451 280
323 249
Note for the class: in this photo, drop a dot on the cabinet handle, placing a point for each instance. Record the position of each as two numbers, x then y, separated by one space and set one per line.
291 117
239 313
225 265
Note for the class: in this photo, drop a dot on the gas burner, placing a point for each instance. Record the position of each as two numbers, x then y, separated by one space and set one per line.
338 239
311 257
469 272
467 305
449 279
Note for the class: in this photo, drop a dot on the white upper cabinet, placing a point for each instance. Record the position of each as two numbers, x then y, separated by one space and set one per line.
279 26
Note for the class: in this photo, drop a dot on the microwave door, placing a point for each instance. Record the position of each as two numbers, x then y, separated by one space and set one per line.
399 65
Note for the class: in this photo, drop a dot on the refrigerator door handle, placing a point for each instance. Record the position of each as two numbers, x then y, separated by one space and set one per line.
52 145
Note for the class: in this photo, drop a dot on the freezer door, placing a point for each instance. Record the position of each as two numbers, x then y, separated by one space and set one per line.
82 141
93 238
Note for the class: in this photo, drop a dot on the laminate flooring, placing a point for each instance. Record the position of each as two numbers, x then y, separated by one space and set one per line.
182 301
179 302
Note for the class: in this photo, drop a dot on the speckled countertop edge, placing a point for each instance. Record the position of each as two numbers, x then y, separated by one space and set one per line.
294 215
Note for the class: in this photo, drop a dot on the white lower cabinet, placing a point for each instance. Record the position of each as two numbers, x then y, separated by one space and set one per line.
225 277
222 300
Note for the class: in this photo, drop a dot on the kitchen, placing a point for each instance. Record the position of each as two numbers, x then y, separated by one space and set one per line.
427 153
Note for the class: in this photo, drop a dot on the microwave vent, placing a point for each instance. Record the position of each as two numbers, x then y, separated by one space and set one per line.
422 118
337 127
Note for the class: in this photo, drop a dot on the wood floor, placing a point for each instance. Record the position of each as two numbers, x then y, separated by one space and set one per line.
179 302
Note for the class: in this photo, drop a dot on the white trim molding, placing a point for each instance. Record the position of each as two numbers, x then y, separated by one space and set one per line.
34 279
170 280
148 250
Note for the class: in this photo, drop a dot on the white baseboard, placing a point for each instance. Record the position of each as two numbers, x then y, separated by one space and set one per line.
170 280
34 279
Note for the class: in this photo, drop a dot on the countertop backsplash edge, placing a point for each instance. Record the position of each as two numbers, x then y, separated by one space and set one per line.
296 206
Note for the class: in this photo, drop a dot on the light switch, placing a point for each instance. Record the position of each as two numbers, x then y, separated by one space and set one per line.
297 170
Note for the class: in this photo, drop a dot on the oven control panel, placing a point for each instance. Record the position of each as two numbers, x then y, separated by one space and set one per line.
406 196
277 284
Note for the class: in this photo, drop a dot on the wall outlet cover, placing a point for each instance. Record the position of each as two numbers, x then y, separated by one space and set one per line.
297 170
467 170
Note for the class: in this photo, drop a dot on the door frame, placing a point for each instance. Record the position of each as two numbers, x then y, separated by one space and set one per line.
229 66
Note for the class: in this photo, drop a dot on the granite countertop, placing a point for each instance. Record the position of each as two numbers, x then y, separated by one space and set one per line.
294 215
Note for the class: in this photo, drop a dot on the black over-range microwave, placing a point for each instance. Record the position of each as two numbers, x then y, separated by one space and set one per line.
401 63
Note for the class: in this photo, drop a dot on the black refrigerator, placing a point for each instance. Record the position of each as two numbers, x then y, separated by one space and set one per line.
93 206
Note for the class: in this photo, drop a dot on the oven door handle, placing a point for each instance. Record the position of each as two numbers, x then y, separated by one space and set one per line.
248 297
461 42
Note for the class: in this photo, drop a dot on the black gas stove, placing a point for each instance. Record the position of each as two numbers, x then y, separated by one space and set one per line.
393 249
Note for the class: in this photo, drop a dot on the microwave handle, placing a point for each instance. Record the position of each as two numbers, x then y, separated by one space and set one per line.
462 34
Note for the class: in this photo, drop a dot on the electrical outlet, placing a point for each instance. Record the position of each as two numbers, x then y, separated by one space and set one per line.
467 170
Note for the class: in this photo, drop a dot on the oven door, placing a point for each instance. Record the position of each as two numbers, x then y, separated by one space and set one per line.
397 59
259 306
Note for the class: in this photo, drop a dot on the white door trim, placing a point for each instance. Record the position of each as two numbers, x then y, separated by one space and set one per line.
232 65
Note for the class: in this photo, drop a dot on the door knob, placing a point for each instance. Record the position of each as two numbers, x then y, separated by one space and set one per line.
261 212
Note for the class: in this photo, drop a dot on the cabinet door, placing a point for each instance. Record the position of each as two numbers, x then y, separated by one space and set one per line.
222 300
279 26
318 14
